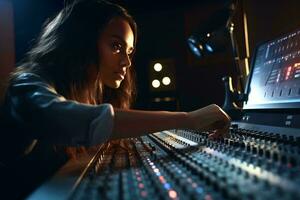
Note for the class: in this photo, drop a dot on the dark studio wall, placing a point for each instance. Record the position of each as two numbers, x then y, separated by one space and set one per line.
7 56
270 18
201 82
163 34
29 18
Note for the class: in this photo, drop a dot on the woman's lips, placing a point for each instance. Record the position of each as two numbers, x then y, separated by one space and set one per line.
120 75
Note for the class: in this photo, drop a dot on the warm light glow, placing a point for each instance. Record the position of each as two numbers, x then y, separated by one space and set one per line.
296 64
208 35
157 67
172 194
162 179
166 80
155 83
200 46
288 73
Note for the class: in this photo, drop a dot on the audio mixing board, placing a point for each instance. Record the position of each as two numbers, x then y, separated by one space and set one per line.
181 164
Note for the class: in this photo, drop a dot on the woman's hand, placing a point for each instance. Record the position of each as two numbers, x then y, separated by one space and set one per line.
210 118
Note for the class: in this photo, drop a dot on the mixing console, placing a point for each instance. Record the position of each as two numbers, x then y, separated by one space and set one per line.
180 164
259 159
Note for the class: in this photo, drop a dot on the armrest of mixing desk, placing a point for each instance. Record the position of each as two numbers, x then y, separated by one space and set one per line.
63 183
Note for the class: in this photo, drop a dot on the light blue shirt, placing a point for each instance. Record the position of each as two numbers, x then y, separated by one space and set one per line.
35 104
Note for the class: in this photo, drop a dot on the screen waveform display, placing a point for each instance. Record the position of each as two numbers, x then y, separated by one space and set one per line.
275 76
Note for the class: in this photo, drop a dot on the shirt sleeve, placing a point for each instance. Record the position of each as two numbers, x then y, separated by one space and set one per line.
36 105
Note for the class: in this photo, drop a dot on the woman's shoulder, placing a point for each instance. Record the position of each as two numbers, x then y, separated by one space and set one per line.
28 81
26 72
25 76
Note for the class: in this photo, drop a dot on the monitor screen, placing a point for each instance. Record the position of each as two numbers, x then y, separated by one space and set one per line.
274 81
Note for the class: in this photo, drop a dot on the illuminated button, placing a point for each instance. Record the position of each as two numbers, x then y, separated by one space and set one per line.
141 185
143 193
208 197
167 186
172 194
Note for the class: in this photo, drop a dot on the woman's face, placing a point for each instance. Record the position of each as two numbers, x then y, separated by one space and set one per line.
115 50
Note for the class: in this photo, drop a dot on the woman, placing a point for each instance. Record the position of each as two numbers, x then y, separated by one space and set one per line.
75 89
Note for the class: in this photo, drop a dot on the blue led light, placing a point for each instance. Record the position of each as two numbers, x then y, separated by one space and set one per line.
199 190
167 186
194 49
209 48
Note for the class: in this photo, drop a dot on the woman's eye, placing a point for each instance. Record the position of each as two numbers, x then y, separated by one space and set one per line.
116 48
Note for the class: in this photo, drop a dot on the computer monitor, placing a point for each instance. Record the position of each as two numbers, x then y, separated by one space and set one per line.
274 80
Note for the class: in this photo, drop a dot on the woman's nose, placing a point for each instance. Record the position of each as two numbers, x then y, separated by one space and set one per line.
125 61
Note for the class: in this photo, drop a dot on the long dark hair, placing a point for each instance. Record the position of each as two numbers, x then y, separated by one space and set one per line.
67 47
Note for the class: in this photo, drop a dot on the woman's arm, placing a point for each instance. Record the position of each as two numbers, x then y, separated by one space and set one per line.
132 123
33 104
